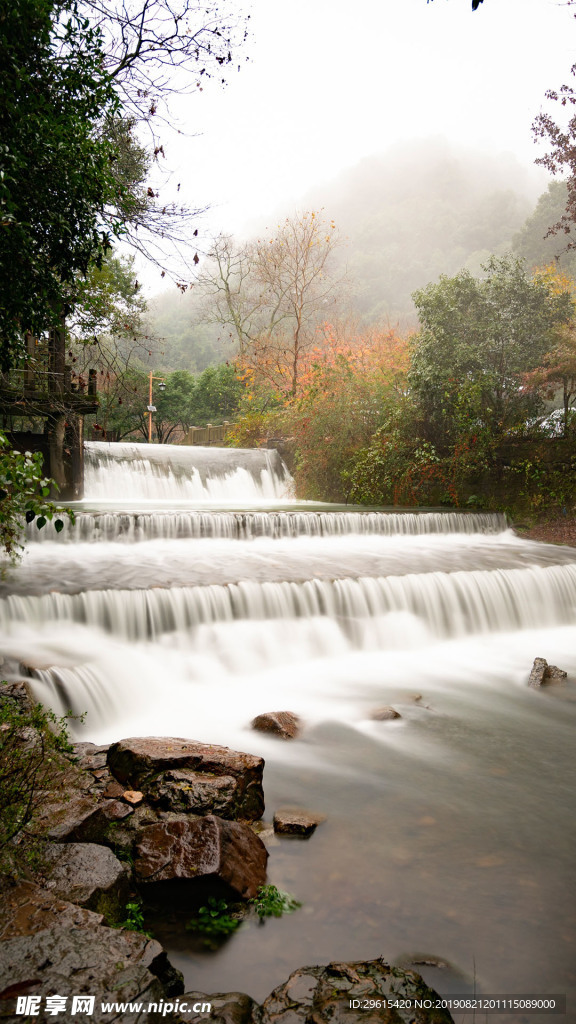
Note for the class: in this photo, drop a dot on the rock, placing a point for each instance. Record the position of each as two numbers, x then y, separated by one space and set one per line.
144 763
322 995
90 876
81 819
227 1008
19 695
196 793
207 850
26 908
538 672
284 724
554 673
132 797
384 714
543 673
105 963
295 821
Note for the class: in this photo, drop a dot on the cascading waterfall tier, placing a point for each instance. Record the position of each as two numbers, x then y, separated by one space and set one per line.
439 823
449 604
138 526
160 472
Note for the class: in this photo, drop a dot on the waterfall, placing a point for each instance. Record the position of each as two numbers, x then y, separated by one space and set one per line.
152 472
449 604
137 526
449 829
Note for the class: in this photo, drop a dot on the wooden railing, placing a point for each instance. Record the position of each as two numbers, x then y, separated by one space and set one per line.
208 435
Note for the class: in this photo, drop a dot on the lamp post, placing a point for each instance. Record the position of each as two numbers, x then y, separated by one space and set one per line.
152 408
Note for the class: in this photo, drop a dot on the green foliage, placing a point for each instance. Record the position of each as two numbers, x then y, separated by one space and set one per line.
210 397
107 301
23 493
273 902
215 921
56 173
32 744
478 338
535 244
134 919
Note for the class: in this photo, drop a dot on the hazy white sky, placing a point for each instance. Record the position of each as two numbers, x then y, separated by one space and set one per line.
331 81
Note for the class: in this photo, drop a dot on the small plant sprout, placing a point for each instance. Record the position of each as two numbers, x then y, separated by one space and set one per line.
273 902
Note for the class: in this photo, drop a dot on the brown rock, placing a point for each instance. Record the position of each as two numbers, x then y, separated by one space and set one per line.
295 821
323 995
206 849
25 909
195 793
144 763
384 714
227 1007
105 963
133 797
84 820
90 876
553 673
284 724
543 673
538 673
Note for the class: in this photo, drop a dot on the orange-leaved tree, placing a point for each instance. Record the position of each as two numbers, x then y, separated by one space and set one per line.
348 383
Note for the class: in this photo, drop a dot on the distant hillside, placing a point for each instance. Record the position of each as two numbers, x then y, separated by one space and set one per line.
420 210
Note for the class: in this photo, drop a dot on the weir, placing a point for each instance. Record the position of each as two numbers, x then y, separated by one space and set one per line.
449 831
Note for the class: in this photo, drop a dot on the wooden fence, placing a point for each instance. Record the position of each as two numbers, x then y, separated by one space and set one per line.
207 435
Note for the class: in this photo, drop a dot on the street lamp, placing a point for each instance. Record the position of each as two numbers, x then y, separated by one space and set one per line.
152 408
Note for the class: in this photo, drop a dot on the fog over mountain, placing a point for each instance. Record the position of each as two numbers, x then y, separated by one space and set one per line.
421 209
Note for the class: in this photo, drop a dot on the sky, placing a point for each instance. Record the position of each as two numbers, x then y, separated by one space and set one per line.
328 82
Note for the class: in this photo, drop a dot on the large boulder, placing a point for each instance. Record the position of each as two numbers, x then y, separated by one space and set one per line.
110 965
324 994
26 908
178 774
207 851
89 875
77 818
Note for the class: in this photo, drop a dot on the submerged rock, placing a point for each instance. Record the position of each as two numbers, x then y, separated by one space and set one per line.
295 821
284 724
206 850
384 714
178 774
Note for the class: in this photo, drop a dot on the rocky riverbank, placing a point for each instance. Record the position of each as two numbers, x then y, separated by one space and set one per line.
559 530
117 824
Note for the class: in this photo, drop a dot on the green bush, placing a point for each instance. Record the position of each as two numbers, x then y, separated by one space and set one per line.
33 742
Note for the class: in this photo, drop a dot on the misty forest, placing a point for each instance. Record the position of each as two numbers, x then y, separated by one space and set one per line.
288 551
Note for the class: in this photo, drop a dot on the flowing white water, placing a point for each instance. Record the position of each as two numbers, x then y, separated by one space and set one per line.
450 832
146 472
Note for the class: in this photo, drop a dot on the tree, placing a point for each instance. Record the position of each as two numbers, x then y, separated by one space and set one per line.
77 76
478 337
23 493
560 135
273 294
535 242
558 368
55 167
347 387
